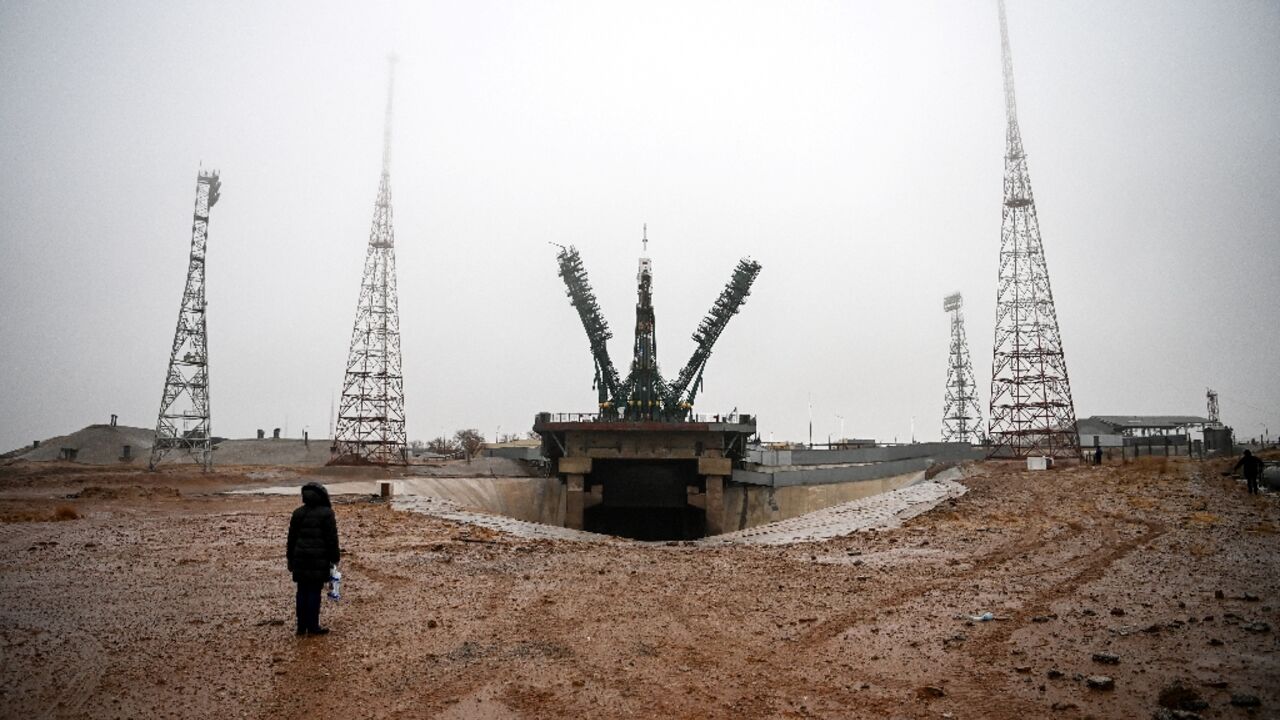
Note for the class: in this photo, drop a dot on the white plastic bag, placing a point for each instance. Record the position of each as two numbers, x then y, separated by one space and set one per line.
335 583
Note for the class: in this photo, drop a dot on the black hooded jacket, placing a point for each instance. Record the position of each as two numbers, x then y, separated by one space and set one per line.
313 536
1251 464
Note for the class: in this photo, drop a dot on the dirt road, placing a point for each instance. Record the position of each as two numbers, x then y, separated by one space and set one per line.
164 599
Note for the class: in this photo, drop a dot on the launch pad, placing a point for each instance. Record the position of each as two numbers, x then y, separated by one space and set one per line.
645 480
645 466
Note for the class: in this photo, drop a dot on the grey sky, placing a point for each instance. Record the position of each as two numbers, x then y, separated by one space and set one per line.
854 148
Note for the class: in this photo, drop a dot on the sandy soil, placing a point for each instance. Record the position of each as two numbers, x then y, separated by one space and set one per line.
165 600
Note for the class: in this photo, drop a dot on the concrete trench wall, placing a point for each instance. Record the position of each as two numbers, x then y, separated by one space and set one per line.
532 499
542 500
761 494
747 506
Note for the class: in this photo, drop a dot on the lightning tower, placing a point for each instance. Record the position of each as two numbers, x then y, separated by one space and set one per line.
961 416
370 428
1031 408
183 423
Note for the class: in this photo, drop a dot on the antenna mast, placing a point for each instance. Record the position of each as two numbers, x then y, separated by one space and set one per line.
1031 408
1211 396
961 416
371 420
183 422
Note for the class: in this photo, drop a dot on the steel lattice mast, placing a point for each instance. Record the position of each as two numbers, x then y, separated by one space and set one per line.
685 389
370 428
583 298
183 422
961 415
1031 408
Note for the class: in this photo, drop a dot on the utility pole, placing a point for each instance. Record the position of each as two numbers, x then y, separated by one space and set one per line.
183 422
371 420
1032 412
961 416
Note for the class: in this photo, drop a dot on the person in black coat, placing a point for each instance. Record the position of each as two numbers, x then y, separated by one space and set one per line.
1252 467
312 548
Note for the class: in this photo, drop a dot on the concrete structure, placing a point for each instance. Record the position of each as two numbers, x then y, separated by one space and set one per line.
664 481
1219 441
644 480
527 450
782 468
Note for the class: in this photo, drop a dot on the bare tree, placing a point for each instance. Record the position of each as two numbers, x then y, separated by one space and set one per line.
443 446
469 440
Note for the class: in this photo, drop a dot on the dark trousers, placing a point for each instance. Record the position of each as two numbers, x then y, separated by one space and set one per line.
309 605
1253 485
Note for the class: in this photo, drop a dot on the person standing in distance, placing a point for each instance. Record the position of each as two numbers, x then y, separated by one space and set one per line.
312 548
1252 468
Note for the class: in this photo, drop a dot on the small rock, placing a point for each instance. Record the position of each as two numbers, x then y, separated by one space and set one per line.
1022 669
1039 619
1152 628
1241 700
1247 597
1088 612
1053 674
1117 611
1100 682
1106 658
929 692
1257 627
1218 683
1215 642
1063 706
1218 595
432 624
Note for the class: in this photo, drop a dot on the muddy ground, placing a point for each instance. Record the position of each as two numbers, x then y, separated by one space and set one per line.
164 599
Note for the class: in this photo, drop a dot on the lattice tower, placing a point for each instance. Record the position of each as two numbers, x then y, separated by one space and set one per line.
961 415
688 383
1211 396
1031 408
371 422
583 298
183 422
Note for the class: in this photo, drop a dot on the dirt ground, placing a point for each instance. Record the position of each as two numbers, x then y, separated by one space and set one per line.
154 597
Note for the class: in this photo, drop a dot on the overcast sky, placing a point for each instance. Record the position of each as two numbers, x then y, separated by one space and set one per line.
854 148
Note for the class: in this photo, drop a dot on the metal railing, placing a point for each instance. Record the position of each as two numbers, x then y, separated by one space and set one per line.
731 418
